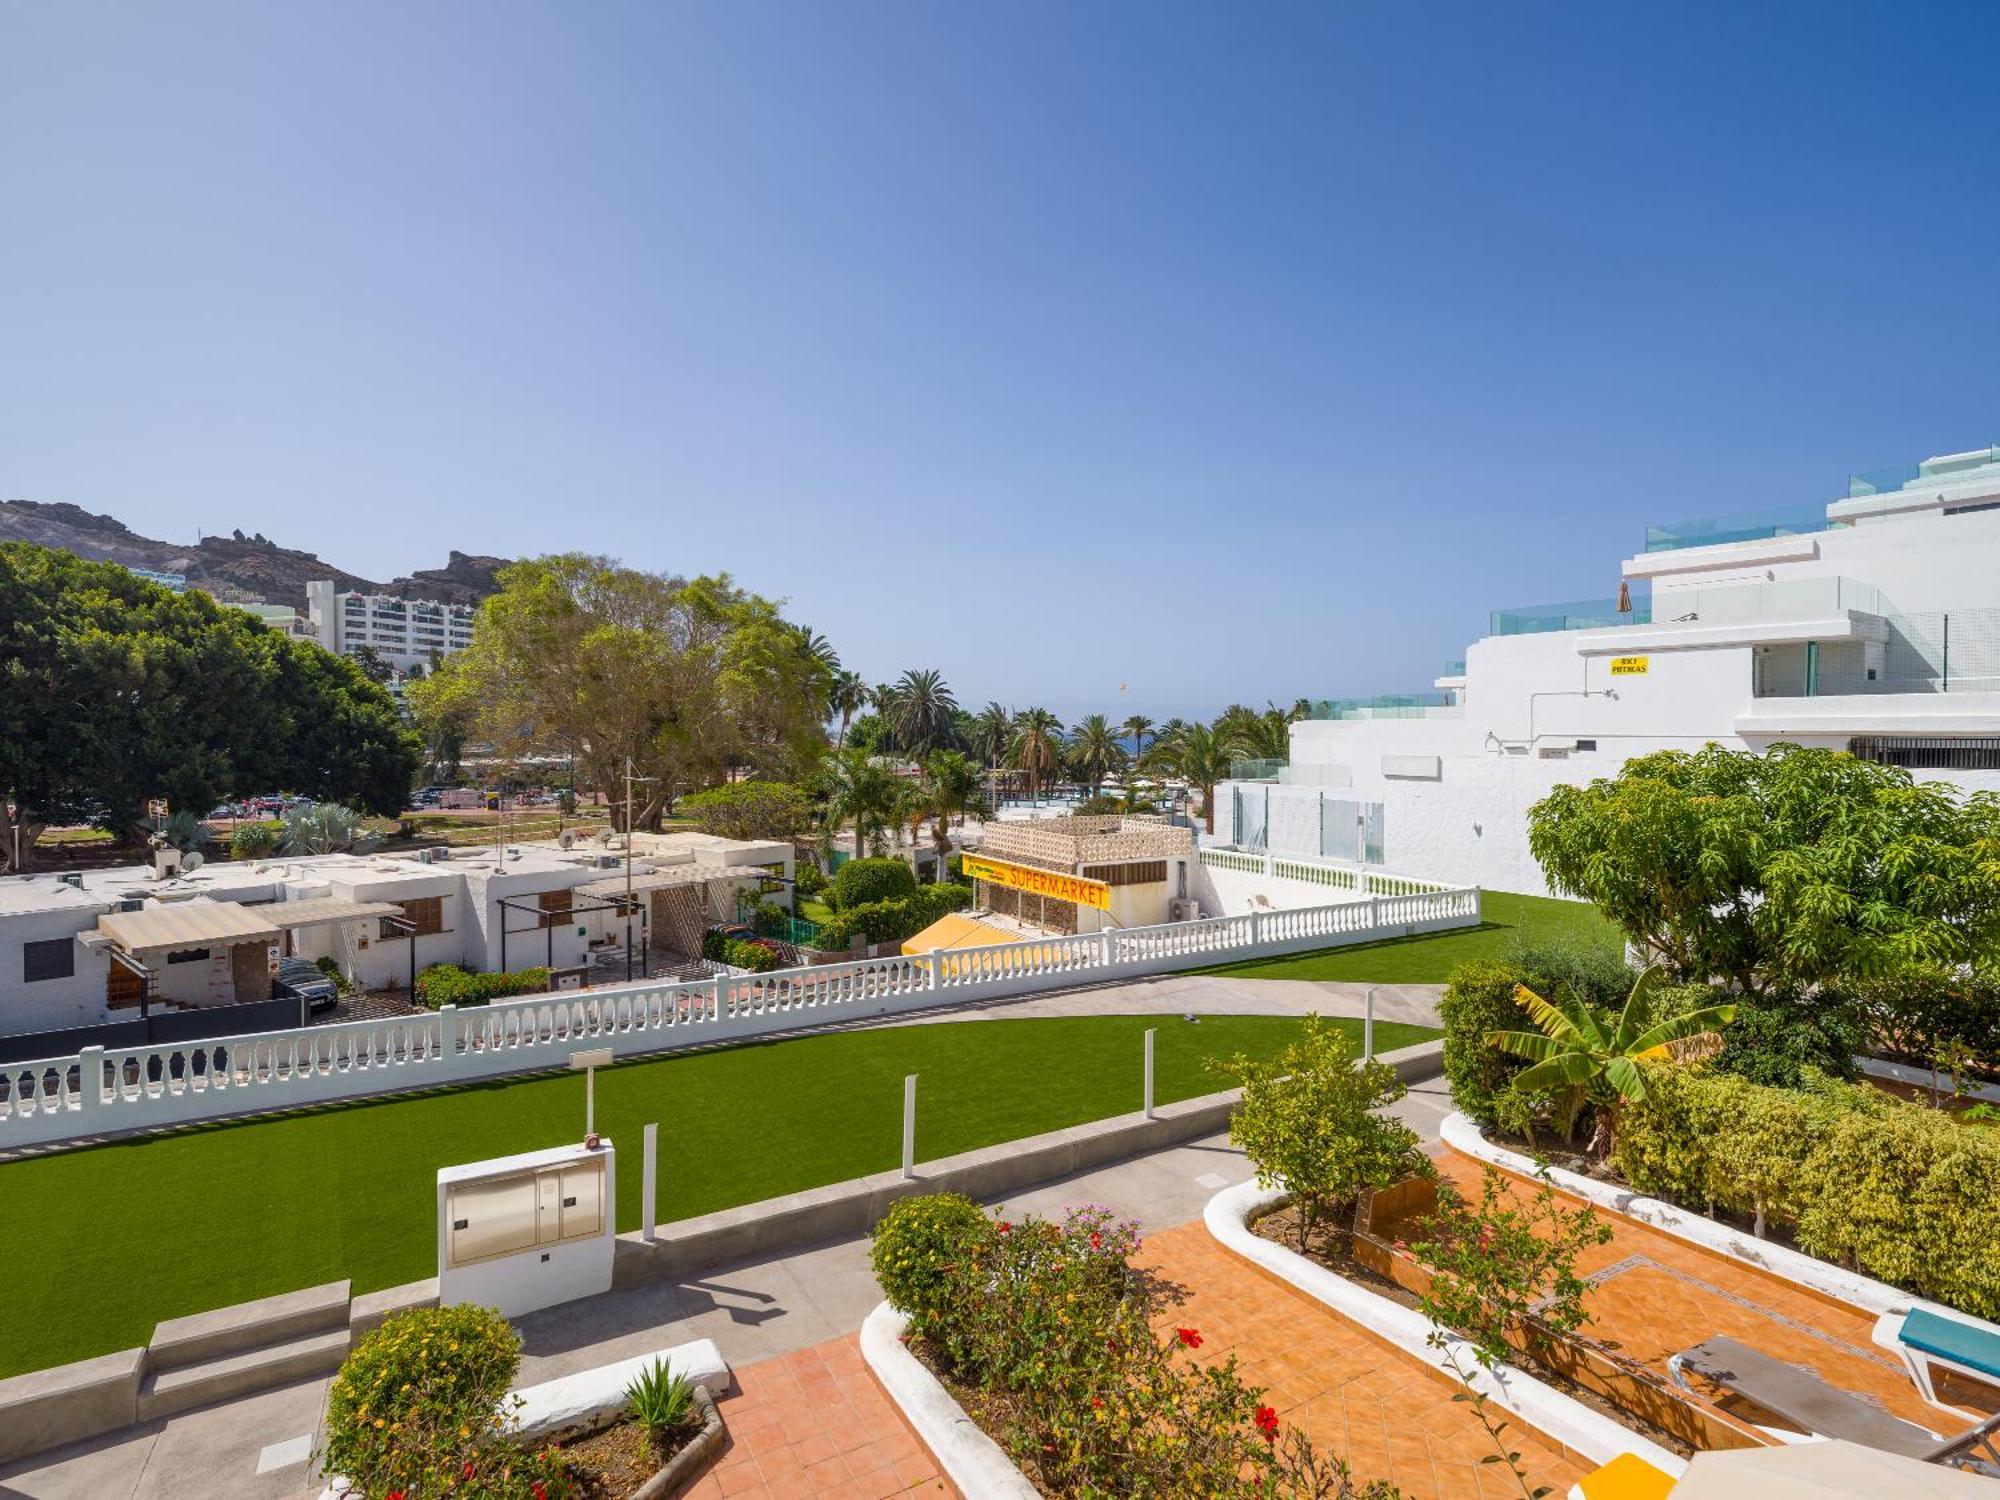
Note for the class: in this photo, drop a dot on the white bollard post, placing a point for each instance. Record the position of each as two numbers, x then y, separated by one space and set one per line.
1149 1072
89 1084
910 1127
648 1186
1368 1027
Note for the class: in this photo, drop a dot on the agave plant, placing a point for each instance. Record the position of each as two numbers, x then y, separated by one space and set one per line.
662 1403
1597 1059
326 828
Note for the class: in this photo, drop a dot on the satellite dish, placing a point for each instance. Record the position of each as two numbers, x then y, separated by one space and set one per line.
567 838
192 861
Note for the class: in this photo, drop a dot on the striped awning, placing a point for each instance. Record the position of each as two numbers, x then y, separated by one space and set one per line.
188 924
660 880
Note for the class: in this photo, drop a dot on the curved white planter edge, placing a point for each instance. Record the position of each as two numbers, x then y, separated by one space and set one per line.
975 1463
1542 1407
1462 1133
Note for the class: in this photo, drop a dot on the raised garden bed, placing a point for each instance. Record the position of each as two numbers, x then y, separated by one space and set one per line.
1588 1373
620 1462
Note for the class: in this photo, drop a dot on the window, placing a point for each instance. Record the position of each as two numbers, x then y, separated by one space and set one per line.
188 956
1971 752
1138 874
53 958
425 913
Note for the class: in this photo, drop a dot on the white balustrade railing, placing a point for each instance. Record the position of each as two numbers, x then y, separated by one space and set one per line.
100 1091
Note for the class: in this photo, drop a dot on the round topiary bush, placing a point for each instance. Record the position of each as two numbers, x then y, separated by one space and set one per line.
253 841
416 1407
917 1245
862 882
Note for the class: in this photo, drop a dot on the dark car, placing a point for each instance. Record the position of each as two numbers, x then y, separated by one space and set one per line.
298 977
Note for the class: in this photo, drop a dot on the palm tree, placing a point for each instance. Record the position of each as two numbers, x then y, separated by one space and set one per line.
848 697
883 697
922 712
1136 728
1302 708
1575 1050
1094 751
948 788
1200 756
326 828
992 732
1033 747
859 791
1265 736
818 647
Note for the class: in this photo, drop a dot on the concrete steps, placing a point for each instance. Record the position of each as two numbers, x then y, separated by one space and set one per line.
165 1392
253 1346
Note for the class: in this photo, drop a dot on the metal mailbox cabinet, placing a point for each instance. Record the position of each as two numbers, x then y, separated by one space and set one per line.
523 1232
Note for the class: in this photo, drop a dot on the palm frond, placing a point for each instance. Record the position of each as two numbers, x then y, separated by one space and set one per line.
1532 1045
1684 1028
1624 1076
1567 1068
1572 1022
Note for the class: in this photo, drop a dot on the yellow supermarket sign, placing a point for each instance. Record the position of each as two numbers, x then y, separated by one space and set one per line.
1071 888
1630 666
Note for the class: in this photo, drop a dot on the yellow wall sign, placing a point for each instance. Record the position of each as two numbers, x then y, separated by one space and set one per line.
1072 888
1630 666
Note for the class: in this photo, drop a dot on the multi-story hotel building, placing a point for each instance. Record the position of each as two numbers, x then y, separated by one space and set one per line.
403 632
1871 624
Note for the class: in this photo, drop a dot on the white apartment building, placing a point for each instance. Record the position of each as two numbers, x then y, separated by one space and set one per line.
404 632
1871 625
207 936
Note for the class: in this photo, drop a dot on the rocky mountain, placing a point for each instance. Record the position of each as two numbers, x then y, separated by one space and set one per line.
235 567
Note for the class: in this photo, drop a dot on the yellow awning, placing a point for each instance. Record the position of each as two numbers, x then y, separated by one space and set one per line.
956 930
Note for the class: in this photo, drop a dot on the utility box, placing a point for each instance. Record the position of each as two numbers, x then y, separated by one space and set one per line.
523 1232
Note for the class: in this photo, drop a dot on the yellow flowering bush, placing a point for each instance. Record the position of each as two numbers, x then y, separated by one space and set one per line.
417 1410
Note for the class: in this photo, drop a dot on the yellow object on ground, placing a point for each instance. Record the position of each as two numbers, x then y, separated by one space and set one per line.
956 930
1626 1477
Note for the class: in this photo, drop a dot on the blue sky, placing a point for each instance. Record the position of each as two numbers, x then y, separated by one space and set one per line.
1136 357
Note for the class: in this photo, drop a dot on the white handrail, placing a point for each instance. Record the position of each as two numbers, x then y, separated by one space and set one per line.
102 1090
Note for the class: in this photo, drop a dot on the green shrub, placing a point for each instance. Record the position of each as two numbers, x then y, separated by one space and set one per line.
1896 1190
892 921
749 953
1918 1018
253 841
1781 1041
448 984
416 1408
1307 1122
811 880
863 882
918 1250
771 920
714 945
1479 999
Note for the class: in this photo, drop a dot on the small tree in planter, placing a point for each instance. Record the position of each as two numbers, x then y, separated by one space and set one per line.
1308 1124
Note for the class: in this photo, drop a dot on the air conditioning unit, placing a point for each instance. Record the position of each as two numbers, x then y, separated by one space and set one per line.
74 880
1184 909
608 861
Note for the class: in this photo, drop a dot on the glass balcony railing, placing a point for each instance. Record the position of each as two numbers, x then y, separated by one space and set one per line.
1256 770
1381 706
1750 526
1941 469
1577 614
1454 668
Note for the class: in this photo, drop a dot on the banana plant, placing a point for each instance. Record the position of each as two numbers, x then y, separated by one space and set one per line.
1578 1049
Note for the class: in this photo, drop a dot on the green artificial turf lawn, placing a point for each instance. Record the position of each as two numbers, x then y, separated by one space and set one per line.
105 1242
1507 920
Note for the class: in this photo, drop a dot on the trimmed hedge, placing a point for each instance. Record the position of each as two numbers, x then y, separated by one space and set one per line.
1900 1192
865 882
892 921
1480 998
448 984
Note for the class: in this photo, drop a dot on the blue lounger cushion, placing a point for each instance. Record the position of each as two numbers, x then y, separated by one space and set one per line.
1947 1338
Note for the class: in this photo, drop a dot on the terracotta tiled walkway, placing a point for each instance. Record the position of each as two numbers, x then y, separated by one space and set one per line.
1658 1295
1376 1408
815 1423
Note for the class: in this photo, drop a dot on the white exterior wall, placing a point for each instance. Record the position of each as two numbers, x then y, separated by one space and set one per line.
51 1004
1528 698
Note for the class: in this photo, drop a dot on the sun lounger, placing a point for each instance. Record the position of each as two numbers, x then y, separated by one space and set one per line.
1924 1338
1811 1405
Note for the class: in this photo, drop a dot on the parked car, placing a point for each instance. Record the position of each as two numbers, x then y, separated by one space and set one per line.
298 976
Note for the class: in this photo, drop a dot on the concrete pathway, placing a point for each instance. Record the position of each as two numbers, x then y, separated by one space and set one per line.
258 1447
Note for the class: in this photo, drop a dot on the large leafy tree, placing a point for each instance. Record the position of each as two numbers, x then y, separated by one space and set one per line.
576 656
121 691
1781 872
1200 756
750 810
